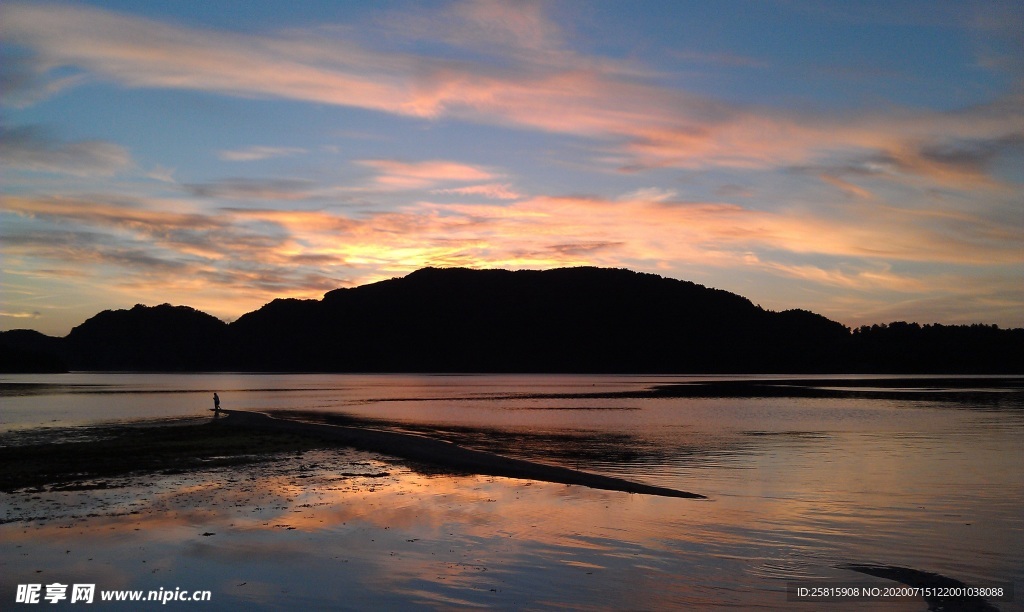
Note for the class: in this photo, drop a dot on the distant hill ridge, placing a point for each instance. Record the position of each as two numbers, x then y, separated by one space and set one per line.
461 320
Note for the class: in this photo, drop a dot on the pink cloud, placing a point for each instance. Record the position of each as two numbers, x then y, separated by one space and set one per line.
415 175
256 153
542 86
144 53
494 191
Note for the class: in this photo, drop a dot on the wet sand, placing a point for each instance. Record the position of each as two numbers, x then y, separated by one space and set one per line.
89 458
444 454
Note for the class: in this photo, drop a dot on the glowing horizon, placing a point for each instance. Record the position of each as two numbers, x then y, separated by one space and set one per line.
861 161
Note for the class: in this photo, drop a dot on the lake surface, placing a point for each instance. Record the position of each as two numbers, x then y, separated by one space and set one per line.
921 474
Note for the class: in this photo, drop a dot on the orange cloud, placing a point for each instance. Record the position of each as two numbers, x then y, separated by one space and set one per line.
534 232
233 260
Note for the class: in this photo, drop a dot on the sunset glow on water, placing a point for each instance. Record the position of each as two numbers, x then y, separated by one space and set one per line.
797 487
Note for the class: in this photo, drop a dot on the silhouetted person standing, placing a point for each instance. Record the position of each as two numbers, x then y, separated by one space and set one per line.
216 403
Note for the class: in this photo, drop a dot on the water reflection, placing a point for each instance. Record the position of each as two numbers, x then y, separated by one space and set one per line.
799 486
404 537
410 539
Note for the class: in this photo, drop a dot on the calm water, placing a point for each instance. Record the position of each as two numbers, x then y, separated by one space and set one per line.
797 487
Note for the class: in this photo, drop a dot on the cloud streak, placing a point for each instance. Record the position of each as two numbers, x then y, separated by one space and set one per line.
528 232
31 149
543 87
418 175
255 189
493 191
259 153
239 258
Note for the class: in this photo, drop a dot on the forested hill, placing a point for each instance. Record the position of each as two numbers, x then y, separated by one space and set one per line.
460 320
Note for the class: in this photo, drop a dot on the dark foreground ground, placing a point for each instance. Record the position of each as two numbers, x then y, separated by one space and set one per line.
246 437
112 452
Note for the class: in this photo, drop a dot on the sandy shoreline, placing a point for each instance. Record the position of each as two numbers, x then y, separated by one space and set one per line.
444 454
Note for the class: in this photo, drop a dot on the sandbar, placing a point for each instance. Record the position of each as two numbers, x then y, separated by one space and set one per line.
444 454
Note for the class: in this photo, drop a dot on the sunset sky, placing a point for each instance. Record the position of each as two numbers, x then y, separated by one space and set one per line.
864 160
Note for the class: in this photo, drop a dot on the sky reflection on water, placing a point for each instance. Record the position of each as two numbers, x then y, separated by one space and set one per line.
797 487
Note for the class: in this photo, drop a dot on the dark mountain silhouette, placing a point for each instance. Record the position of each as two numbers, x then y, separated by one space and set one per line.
165 337
25 350
564 320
